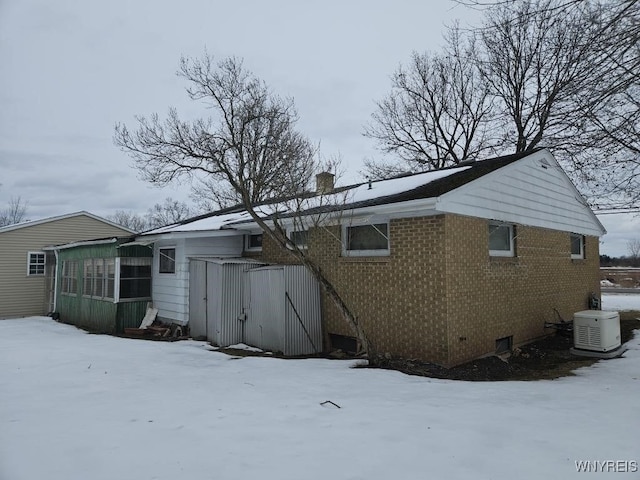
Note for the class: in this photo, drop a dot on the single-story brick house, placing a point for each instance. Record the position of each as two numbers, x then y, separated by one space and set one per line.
27 271
442 266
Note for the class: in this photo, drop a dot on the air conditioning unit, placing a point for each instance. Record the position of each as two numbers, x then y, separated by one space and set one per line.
596 330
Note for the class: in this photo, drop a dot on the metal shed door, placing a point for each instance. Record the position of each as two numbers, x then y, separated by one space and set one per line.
198 299
265 320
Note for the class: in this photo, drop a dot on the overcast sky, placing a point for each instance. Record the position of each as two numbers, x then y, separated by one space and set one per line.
72 69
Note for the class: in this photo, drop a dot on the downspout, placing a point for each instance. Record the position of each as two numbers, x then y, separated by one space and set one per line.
55 283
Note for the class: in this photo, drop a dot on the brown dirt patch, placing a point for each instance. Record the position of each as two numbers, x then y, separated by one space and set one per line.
548 358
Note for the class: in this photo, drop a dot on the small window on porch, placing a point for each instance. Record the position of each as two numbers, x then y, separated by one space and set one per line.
135 278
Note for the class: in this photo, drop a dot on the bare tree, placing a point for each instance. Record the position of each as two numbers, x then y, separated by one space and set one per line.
437 112
167 213
129 219
250 146
554 73
633 247
15 212
161 214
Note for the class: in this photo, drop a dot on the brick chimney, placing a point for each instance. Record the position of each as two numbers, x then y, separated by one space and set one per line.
324 182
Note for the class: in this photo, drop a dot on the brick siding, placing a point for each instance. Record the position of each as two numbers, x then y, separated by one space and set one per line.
440 297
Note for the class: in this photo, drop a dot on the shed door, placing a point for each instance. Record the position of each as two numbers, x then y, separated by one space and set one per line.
198 299
265 319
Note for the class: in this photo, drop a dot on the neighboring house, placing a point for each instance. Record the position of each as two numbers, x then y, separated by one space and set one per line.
103 285
26 270
442 266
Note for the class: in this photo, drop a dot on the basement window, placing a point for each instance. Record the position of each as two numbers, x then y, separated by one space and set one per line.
577 246
504 345
344 343
35 263
167 262
501 240
365 240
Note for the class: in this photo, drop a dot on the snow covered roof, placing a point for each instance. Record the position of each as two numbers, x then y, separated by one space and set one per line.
422 189
367 193
31 223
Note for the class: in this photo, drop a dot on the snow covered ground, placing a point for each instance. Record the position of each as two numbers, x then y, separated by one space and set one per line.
81 406
621 301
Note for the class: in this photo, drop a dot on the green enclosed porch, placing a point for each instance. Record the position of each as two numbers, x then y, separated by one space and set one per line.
103 285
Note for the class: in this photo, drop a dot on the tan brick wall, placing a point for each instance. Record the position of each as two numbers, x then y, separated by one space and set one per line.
440 297
490 298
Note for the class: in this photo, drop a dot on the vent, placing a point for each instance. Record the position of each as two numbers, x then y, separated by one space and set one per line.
596 330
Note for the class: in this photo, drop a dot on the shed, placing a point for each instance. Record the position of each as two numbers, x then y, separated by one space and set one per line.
216 298
283 313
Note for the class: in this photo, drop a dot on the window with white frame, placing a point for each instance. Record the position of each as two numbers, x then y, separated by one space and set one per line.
167 260
98 278
109 277
577 246
253 242
501 240
300 238
69 277
87 277
363 240
35 263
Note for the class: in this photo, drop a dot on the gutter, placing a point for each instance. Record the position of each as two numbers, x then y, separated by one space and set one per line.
81 244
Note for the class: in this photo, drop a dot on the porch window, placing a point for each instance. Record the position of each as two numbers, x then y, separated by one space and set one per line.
501 240
87 277
109 277
167 260
577 246
69 277
35 263
135 278
98 278
363 240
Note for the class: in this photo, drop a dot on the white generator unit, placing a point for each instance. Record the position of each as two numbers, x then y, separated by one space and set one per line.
596 330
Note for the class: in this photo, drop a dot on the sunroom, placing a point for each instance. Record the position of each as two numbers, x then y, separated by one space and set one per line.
103 285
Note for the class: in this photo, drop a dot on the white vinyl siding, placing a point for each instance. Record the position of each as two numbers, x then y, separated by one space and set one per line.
171 292
533 191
